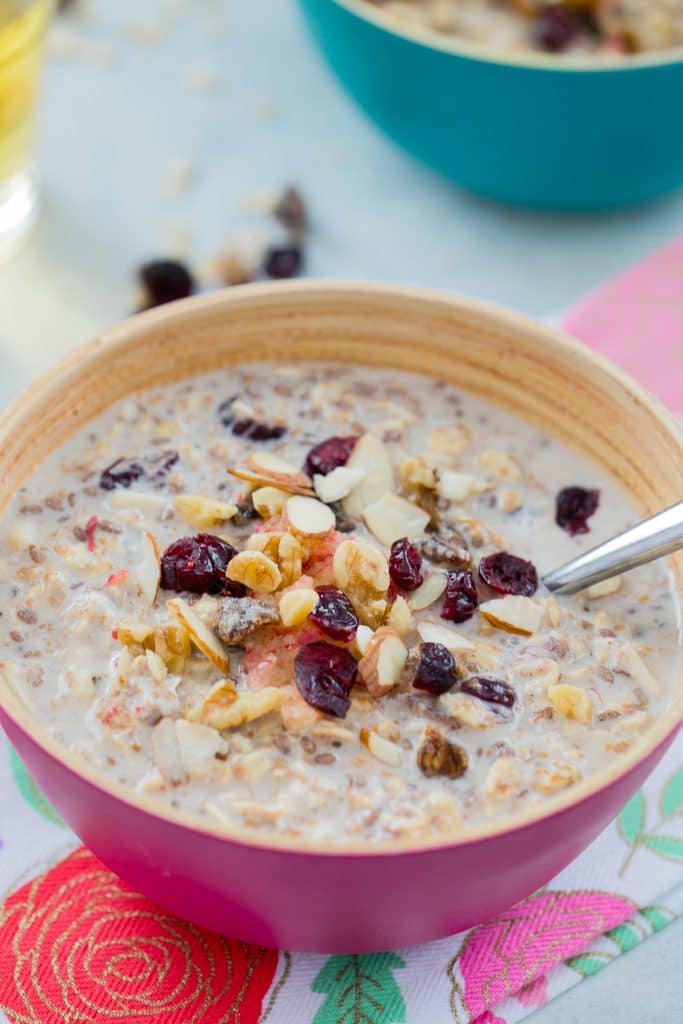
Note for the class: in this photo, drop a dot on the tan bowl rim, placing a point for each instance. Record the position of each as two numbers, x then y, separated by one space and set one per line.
662 730
489 55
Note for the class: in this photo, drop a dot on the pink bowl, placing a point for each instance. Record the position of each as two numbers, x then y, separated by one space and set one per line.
346 898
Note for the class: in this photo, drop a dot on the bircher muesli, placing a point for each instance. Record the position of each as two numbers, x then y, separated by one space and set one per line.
306 598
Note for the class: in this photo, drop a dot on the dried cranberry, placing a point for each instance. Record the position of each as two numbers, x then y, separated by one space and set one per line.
198 564
554 28
163 464
325 675
405 562
436 670
461 600
329 454
494 691
508 574
121 473
335 614
573 506
290 210
165 281
283 262
248 427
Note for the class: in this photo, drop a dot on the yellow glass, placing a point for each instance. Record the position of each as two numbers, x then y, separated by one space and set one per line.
22 35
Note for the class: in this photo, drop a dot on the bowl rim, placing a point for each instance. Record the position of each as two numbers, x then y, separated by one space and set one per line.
660 733
431 40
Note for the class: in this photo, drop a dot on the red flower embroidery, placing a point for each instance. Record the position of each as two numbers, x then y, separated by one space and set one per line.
77 945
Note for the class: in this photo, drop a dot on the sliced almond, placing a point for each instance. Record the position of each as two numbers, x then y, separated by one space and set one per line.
381 666
149 567
222 712
166 752
338 484
383 750
434 633
428 592
571 702
221 696
296 605
363 637
198 745
202 512
200 634
308 517
269 501
255 570
141 500
630 661
603 588
400 618
514 613
371 457
269 470
392 517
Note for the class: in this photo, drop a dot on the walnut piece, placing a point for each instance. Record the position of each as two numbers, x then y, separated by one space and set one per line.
237 617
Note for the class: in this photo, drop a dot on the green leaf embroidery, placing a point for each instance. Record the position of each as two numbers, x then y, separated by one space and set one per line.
589 963
626 936
30 792
360 990
672 795
657 917
670 847
632 819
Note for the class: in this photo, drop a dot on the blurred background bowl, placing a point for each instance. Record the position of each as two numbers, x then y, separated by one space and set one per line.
530 129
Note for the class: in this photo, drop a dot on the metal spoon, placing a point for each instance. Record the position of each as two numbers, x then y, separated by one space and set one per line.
654 537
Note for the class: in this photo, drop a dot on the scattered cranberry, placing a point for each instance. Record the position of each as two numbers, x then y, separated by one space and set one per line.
508 574
573 507
461 600
325 675
198 564
160 466
436 670
405 563
247 427
554 28
90 528
165 281
329 454
494 691
283 262
335 614
121 473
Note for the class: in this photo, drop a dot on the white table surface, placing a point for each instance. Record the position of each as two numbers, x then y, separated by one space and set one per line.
118 111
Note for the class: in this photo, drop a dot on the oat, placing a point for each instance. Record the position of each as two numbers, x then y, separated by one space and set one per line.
500 464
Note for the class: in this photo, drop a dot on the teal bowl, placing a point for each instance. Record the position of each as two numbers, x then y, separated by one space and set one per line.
532 129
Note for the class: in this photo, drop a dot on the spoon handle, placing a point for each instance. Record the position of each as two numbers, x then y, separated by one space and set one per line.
654 537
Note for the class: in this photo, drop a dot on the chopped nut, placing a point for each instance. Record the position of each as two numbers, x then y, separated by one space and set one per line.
308 517
437 756
370 457
382 749
468 710
572 702
428 592
361 571
514 614
417 472
198 745
258 572
202 512
400 618
203 638
500 464
381 666
225 708
296 605
448 549
269 501
237 617
391 517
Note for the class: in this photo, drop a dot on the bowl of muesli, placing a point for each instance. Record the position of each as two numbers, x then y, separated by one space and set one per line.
275 641
565 105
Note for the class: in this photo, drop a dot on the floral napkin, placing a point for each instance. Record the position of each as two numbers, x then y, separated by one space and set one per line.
77 946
